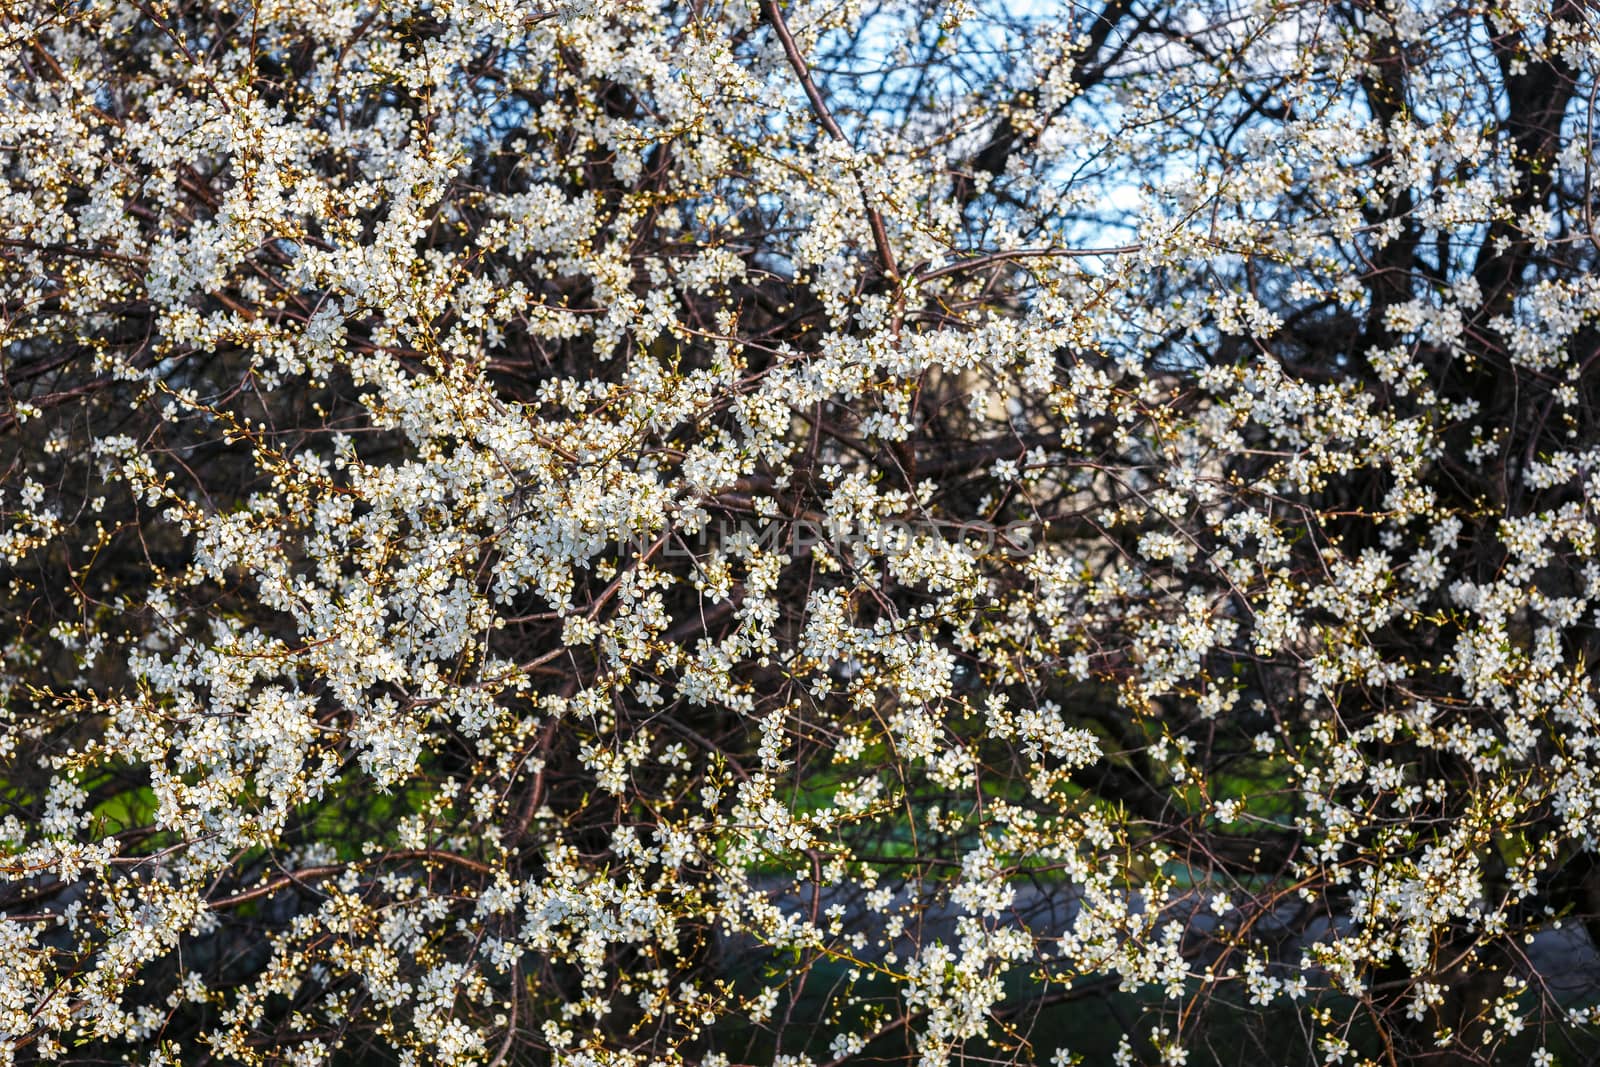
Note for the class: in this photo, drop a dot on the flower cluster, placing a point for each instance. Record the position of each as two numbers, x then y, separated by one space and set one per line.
633 534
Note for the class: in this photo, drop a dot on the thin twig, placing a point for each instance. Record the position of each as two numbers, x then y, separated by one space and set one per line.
1024 253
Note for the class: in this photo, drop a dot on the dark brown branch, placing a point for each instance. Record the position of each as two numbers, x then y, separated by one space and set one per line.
880 233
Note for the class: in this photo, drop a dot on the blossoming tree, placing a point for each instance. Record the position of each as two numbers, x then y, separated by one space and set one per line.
778 532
